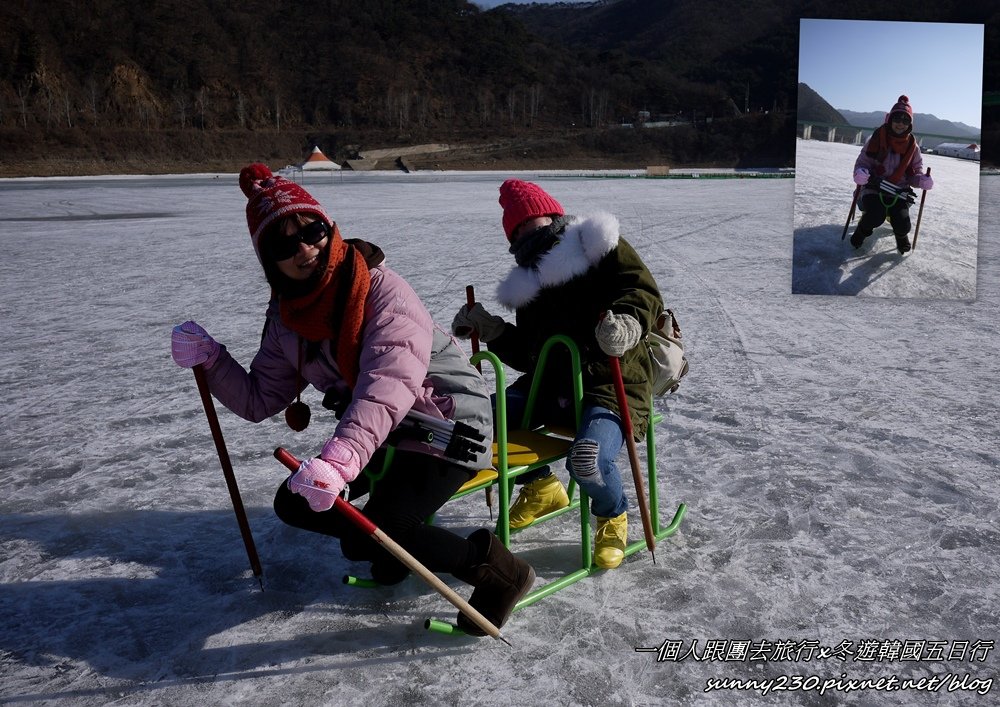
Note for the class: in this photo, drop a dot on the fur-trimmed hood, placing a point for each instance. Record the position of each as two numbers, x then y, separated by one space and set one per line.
586 240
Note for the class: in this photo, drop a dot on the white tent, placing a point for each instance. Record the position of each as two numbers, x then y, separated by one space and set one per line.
318 161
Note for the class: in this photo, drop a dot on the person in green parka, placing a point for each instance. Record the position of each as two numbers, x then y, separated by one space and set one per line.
578 277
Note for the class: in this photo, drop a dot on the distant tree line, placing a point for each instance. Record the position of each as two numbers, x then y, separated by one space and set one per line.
405 69
399 65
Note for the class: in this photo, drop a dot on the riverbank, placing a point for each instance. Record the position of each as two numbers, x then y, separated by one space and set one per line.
88 152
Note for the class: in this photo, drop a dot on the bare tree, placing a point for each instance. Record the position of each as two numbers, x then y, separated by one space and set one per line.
485 103
423 110
403 109
534 102
201 104
182 103
596 106
92 94
68 107
345 111
48 93
511 102
23 95
241 109
397 103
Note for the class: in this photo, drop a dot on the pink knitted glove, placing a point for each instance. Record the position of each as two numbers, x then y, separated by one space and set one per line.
923 181
861 176
191 345
321 479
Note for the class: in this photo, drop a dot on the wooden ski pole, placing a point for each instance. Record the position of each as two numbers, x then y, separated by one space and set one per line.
850 216
470 299
227 471
633 456
358 519
920 213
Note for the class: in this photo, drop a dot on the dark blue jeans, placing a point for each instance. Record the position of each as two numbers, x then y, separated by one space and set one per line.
592 460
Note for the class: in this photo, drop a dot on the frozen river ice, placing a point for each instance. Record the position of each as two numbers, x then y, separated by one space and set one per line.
838 457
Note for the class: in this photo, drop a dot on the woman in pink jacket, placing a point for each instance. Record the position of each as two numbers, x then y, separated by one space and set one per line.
354 329
889 164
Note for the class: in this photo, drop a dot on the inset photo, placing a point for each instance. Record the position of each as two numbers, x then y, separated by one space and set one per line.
887 159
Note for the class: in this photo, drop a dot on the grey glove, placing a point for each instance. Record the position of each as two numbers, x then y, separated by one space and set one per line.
477 319
617 333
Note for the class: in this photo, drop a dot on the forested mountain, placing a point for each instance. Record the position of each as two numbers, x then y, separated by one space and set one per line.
261 64
922 123
106 79
813 106
398 65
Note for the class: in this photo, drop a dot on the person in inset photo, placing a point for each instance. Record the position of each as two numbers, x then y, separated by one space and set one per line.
887 170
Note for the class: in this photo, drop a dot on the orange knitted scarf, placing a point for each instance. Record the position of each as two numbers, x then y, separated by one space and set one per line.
883 141
334 309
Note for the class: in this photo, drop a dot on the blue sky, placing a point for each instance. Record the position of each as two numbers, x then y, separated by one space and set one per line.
865 66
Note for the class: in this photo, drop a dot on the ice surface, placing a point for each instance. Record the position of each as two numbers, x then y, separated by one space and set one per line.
838 454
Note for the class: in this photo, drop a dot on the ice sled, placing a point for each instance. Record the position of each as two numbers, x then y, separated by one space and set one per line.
528 446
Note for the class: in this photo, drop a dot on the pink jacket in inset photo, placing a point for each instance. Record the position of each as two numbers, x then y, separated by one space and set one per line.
888 165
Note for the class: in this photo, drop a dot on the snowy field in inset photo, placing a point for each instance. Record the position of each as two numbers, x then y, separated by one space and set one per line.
838 457
943 263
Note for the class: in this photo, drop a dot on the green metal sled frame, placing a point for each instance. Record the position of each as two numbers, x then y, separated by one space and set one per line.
506 473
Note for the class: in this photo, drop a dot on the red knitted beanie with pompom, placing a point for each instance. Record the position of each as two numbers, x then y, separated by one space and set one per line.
271 197
902 106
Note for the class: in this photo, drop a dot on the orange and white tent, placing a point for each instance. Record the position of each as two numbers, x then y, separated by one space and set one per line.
318 161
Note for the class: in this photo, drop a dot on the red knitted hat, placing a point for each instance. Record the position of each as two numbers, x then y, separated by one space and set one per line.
524 200
270 198
902 106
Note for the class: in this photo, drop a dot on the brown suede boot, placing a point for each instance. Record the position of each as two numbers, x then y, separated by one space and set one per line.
500 581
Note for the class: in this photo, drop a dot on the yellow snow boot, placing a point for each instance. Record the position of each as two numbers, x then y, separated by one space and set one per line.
537 498
609 541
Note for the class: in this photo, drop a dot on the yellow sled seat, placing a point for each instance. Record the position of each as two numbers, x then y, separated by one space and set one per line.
531 448
526 449
483 479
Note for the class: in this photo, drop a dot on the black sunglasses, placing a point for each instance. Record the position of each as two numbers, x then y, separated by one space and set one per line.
284 247
901 118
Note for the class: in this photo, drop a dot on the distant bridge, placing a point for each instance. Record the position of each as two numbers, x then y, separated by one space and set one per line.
858 136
